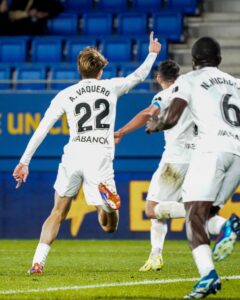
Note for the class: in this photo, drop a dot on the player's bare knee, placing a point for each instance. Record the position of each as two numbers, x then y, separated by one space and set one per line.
61 208
59 215
196 213
196 219
149 211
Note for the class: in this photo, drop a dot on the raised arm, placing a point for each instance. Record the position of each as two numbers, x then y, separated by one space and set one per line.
52 114
142 72
123 85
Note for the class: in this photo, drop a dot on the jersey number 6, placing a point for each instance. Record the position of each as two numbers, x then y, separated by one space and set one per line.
228 110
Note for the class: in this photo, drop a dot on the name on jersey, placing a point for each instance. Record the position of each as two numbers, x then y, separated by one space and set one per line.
90 139
218 80
229 134
90 89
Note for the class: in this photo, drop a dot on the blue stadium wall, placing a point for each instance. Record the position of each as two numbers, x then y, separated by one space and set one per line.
23 211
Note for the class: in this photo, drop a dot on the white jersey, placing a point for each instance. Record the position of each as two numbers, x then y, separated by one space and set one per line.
179 140
90 106
214 99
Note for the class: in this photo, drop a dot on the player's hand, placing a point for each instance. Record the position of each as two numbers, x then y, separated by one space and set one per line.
20 174
151 125
154 45
117 137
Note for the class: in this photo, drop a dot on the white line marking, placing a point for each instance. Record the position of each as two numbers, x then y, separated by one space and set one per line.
106 285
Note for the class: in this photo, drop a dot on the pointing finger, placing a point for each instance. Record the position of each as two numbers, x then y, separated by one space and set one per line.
151 36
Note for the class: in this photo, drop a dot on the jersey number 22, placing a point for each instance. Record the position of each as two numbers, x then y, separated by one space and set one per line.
85 108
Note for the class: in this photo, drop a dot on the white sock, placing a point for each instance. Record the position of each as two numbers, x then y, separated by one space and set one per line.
41 254
215 224
169 209
158 234
203 259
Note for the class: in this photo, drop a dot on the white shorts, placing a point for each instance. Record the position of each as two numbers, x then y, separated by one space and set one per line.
87 167
166 182
212 176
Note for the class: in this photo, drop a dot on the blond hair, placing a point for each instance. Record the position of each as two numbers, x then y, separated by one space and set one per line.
90 62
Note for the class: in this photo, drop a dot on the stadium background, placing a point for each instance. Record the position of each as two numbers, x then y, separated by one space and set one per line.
34 68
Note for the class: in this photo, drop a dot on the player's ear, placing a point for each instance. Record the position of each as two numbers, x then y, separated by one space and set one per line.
219 60
159 79
193 64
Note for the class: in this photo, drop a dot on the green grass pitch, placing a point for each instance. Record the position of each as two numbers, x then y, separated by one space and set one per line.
106 270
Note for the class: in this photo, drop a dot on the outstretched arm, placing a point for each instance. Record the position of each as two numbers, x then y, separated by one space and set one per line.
136 122
123 85
51 116
142 72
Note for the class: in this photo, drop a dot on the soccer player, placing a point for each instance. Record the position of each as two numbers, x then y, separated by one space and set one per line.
90 106
213 98
164 194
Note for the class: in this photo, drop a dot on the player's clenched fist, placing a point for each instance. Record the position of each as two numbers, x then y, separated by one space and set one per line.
20 174
117 137
154 45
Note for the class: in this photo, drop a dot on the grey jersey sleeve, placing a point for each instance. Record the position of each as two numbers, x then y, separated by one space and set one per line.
124 84
53 113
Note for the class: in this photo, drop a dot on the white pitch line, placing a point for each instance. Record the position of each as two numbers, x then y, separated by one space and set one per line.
106 285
